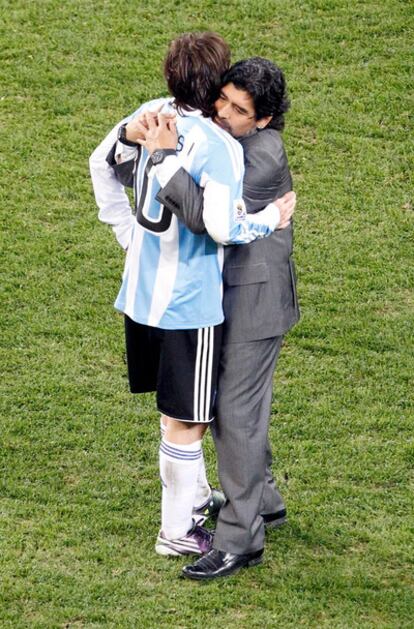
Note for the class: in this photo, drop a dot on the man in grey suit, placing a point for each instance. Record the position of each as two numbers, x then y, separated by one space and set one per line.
260 306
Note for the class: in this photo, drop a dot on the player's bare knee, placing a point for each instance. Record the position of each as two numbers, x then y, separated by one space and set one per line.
182 432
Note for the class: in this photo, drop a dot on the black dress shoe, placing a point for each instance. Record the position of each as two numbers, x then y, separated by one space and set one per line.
274 520
217 563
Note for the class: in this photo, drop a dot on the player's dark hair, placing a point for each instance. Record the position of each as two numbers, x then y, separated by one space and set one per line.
193 68
266 84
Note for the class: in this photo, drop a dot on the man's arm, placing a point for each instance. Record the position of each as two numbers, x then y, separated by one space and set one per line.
224 213
181 195
267 174
184 198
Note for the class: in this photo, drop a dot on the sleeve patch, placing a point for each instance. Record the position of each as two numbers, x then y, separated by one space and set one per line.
239 210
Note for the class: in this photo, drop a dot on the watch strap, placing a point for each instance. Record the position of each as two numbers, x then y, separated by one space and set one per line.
159 155
122 136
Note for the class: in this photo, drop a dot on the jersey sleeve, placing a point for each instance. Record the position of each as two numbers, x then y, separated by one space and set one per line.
110 195
224 212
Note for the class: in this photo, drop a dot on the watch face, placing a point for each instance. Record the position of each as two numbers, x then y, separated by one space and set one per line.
157 157
121 132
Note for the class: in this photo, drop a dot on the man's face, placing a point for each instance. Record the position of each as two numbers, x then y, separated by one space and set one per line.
235 111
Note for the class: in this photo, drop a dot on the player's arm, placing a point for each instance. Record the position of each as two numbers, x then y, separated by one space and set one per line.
239 227
183 197
224 213
111 198
108 182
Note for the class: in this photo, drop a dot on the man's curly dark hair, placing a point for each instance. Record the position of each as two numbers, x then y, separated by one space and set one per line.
266 84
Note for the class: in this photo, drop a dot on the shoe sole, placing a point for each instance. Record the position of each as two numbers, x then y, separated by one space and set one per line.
196 577
167 552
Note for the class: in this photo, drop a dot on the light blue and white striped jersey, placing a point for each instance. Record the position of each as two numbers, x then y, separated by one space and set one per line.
172 277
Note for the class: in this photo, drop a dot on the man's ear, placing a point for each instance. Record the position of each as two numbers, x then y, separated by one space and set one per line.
263 122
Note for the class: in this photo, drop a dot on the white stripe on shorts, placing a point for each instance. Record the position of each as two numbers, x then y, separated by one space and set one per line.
203 373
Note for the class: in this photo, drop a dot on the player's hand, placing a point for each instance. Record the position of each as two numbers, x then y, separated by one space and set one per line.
136 128
286 205
159 132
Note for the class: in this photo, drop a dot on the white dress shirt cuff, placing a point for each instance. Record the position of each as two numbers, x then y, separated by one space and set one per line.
124 153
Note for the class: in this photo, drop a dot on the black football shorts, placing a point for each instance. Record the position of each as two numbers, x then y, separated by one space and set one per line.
180 365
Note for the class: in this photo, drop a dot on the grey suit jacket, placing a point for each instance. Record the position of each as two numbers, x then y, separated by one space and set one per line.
259 279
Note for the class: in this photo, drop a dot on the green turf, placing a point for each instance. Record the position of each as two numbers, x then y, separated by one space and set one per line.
79 482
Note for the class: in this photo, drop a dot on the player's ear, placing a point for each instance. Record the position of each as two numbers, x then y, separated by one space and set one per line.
263 122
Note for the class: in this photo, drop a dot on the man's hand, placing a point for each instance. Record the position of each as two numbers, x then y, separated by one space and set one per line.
286 205
158 136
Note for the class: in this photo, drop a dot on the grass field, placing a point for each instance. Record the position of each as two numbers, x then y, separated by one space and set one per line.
79 481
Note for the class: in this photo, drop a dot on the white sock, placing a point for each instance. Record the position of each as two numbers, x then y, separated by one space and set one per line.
179 466
203 488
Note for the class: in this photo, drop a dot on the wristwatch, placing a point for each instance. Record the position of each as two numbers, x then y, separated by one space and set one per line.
159 155
122 136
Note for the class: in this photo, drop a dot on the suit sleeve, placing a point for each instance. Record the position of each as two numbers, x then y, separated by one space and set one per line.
267 171
217 203
184 198
266 177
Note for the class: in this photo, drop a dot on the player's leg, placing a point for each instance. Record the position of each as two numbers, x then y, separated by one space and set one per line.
208 499
203 493
185 395
180 453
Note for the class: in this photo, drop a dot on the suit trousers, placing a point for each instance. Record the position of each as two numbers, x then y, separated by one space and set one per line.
240 433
